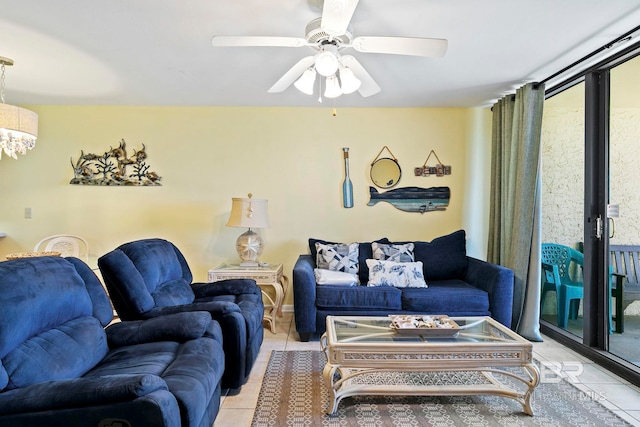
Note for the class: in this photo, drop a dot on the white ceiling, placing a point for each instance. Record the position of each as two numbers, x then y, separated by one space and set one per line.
158 52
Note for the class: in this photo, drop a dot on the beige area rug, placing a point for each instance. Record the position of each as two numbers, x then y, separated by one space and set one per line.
293 394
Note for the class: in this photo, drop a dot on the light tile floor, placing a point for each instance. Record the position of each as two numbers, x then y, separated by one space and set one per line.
614 392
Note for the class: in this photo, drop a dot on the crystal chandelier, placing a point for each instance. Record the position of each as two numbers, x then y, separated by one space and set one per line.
18 126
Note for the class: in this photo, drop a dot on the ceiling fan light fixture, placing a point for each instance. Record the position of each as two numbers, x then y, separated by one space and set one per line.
326 63
305 83
327 36
332 89
349 82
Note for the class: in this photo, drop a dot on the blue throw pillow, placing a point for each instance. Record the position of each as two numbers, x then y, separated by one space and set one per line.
444 257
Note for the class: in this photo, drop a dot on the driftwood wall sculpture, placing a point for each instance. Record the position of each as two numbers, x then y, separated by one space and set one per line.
114 167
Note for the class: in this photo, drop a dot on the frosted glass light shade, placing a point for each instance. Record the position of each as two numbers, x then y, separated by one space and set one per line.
326 64
333 88
305 83
349 82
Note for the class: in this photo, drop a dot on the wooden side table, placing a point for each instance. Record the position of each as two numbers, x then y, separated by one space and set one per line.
272 282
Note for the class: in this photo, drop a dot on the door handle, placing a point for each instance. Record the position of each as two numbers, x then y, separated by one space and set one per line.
613 228
599 227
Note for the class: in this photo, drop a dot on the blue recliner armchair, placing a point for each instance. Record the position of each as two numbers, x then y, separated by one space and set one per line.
150 277
59 366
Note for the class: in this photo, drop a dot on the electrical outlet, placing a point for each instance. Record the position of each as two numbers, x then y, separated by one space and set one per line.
27 213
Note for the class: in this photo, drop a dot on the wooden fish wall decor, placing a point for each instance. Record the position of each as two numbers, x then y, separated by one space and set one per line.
413 199
114 167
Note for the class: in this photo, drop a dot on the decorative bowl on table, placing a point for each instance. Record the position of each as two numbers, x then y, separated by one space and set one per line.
427 325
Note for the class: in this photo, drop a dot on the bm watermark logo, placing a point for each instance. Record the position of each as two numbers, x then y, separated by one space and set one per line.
554 372
569 371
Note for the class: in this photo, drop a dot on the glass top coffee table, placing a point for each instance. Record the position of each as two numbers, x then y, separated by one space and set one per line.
365 356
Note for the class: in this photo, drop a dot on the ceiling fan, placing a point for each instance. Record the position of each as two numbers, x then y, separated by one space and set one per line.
328 36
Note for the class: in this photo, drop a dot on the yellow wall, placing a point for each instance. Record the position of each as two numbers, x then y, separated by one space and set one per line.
207 155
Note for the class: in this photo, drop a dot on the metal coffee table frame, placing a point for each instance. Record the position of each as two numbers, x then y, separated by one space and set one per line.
359 346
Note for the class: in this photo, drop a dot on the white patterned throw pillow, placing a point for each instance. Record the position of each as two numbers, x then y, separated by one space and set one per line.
391 252
338 257
328 277
397 274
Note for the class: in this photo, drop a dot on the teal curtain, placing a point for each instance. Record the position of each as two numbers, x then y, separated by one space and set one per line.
514 223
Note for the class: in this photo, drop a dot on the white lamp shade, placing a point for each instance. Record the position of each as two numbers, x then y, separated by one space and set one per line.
333 88
18 126
326 64
248 213
305 83
349 82
18 130
19 119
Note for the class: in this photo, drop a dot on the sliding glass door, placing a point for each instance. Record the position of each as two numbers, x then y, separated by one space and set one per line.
563 157
624 199
591 204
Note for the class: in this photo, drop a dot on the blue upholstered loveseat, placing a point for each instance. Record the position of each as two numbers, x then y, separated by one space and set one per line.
59 366
457 285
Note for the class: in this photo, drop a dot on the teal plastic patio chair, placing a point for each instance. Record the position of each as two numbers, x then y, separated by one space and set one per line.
563 278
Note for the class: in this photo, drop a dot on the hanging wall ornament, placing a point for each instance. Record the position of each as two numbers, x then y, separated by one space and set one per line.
385 171
347 186
413 199
438 169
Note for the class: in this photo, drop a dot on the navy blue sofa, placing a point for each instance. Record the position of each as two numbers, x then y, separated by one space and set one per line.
59 366
150 277
458 285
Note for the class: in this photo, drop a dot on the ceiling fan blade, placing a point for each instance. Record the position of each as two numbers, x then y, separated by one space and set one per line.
414 46
336 15
369 86
257 41
292 75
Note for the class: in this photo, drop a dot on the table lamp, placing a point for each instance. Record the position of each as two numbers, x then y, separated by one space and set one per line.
249 213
